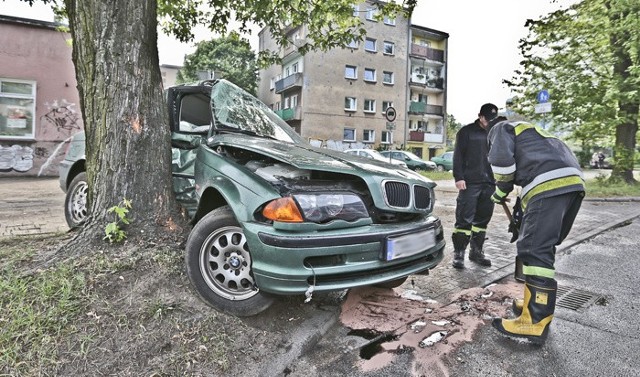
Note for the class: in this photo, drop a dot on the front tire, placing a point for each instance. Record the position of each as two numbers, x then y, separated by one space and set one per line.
218 263
440 168
75 202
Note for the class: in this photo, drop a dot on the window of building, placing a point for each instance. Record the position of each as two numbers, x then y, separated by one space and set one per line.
389 21
370 74
387 137
389 48
369 136
422 42
294 68
371 14
290 102
277 106
350 72
350 103
349 134
369 105
386 105
387 77
370 45
272 83
17 109
353 44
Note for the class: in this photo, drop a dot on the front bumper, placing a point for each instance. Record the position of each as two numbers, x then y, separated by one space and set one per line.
288 263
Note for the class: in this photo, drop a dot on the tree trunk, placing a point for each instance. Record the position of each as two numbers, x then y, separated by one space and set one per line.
628 106
115 53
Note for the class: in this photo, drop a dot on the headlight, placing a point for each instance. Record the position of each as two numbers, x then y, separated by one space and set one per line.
318 208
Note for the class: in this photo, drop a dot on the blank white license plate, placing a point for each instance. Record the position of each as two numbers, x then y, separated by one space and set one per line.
409 244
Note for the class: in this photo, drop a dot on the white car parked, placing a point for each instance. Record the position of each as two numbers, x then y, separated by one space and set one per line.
374 154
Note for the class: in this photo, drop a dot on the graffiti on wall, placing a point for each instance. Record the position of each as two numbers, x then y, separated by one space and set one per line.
62 116
16 158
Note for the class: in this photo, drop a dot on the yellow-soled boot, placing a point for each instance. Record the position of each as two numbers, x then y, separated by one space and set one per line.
537 311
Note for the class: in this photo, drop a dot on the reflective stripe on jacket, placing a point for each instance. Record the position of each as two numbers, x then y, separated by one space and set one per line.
528 156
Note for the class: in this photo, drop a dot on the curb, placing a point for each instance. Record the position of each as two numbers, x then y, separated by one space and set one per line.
302 341
560 250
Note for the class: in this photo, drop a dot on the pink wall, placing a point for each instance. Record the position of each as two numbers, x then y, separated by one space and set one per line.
35 51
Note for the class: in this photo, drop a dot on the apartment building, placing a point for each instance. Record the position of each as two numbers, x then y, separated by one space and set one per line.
338 99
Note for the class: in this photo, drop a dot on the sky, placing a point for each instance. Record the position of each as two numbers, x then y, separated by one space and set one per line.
483 44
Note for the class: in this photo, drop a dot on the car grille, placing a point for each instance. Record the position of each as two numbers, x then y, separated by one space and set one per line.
398 194
422 197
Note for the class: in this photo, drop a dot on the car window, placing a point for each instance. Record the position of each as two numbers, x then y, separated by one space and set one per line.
195 114
412 156
235 109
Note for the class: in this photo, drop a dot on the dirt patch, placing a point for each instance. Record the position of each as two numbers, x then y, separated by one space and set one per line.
137 316
426 328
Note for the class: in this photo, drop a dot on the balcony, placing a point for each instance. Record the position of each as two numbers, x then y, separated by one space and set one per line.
423 108
425 137
290 82
427 53
294 113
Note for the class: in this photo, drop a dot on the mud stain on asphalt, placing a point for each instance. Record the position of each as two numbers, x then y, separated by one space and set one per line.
429 330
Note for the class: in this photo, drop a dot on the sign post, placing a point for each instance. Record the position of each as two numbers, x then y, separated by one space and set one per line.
390 114
543 106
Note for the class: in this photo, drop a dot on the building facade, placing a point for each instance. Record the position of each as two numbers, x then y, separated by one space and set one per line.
338 99
39 101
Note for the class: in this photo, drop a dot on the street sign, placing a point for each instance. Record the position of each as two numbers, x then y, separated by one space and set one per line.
391 126
390 114
542 108
543 96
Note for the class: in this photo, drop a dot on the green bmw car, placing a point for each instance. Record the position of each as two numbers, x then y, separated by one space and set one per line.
273 215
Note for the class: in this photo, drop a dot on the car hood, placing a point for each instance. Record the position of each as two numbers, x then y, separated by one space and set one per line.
304 156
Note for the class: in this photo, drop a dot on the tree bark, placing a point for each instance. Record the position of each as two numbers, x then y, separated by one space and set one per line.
628 105
115 53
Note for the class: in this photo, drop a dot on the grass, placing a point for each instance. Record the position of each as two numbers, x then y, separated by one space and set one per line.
36 311
438 175
64 316
600 187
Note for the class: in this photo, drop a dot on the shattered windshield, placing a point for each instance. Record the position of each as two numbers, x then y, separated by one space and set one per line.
235 110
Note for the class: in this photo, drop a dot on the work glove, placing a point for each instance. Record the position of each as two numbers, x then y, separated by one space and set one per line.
514 225
499 197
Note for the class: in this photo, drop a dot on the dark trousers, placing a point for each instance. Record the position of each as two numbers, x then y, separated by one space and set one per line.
546 222
474 206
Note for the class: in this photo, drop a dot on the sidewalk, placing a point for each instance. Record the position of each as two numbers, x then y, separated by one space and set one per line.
31 206
596 216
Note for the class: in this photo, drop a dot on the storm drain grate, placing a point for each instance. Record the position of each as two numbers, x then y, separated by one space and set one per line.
574 299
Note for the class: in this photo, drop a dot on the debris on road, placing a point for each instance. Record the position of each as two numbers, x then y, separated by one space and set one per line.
432 339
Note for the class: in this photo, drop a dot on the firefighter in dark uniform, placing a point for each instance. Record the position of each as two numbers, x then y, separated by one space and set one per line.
474 180
552 190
